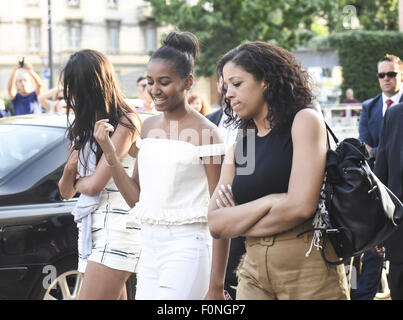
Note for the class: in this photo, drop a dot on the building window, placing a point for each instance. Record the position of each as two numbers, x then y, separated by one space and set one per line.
112 4
73 3
150 36
74 35
34 35
113 36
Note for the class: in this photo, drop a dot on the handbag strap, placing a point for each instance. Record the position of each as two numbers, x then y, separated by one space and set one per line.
322 251
332 134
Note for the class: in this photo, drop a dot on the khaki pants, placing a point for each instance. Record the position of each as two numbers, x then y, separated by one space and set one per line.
275 267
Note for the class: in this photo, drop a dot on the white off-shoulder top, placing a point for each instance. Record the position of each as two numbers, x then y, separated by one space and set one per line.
173 182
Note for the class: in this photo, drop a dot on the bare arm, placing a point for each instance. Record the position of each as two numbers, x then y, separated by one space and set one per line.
220 246
45 96
128 186
308 165
35 76
67 182
233 221
12 91
121 140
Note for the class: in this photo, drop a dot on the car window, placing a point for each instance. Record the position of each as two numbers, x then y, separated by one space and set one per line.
18 143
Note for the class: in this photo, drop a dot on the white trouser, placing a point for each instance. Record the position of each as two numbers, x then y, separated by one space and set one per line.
175 262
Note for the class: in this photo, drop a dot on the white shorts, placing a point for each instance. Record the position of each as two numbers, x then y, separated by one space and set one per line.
115 242
175 262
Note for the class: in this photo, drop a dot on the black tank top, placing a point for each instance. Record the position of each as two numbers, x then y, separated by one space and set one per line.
264 170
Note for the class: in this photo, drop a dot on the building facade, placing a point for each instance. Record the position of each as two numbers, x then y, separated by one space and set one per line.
122 29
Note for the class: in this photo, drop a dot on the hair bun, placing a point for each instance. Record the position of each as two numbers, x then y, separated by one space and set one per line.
183 41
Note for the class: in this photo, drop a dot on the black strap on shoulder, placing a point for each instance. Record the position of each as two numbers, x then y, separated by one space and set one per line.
332 134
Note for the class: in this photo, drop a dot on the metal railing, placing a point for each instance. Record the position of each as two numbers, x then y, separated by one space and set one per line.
343 119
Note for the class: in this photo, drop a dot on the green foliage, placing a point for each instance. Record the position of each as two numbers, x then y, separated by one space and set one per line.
223 24
372 14
8 105
359 53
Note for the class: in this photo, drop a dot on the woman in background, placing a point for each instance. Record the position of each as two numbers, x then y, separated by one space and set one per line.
56 104
198 103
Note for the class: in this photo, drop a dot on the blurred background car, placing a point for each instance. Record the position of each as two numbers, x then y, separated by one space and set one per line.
38 236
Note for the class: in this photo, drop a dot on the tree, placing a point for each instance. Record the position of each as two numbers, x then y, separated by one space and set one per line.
373 15
359 53
221 25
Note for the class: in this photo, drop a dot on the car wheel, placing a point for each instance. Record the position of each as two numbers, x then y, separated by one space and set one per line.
60 281
65 287
68 283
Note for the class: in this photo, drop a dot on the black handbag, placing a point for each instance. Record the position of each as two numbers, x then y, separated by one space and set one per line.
356 211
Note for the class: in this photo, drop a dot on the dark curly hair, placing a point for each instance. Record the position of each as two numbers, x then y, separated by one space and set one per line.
289 87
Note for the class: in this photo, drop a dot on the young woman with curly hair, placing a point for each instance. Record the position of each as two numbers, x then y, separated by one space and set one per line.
271 179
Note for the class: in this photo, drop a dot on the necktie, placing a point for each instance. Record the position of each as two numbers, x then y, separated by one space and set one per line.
388 103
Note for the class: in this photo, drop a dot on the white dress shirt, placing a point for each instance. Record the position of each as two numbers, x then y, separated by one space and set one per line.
395 99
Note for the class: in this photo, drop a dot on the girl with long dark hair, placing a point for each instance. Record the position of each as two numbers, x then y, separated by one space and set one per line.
177 170
108 234
271 179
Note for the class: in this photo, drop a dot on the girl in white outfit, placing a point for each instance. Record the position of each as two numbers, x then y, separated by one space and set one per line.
177 169
108 235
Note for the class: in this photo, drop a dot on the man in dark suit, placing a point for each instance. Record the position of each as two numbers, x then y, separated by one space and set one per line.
215 117
389 169
390 81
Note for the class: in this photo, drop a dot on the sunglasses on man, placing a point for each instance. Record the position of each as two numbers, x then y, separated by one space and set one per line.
391 74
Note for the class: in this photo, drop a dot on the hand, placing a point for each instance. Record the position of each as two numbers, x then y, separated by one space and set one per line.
225 197
215 295
27 66
101 135
72 161
379 251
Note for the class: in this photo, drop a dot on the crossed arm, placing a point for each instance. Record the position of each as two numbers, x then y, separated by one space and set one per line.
276 213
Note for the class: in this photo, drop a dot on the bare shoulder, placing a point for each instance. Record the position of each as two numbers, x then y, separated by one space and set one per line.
206 129
150 123
308 120
131 118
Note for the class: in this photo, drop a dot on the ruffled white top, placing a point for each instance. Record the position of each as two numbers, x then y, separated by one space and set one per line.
173 182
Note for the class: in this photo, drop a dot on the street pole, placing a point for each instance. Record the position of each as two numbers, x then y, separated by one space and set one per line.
50 44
